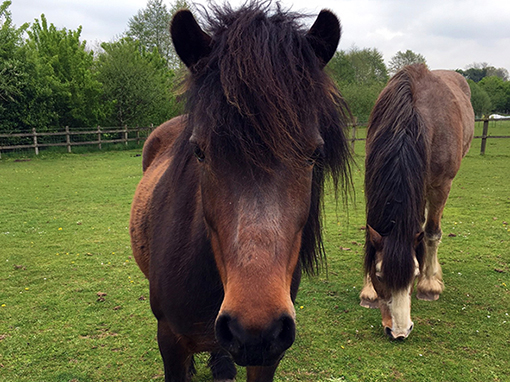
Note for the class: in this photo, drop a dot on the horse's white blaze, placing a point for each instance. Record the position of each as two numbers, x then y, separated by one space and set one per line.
400 309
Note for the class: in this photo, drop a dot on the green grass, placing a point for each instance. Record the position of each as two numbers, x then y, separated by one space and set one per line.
64 239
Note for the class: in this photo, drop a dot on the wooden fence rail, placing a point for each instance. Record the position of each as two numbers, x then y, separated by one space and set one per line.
99 132
484 136
125 131
485 131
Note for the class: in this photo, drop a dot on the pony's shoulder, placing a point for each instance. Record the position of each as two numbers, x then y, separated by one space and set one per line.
162 139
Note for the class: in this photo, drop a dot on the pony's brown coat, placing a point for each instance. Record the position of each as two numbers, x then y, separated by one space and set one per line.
223 237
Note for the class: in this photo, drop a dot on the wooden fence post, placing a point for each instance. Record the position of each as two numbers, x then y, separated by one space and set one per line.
354 134
34 133
484 135
68 139
125 135
137 135
99 138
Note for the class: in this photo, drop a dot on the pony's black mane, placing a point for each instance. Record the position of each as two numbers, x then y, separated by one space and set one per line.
260 98
396 169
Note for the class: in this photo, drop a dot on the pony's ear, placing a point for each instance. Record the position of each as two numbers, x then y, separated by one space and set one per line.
375 238
190 41
324 35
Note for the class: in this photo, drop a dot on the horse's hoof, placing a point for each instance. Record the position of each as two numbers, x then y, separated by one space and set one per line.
372 304
427 296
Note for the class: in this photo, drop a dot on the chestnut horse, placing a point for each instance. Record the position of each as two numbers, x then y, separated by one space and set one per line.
420 129
227 213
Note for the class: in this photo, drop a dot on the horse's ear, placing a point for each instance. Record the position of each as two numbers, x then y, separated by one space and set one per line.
375 238
190 41
324 35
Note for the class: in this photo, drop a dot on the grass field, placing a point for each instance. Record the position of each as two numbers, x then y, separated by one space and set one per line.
74 306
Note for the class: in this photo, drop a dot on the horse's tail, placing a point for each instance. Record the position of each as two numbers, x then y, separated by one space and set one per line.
396 166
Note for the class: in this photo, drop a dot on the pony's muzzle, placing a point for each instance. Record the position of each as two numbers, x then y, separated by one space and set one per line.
250 347
398 336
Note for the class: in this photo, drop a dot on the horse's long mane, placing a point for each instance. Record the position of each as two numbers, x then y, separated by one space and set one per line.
396 169
259 96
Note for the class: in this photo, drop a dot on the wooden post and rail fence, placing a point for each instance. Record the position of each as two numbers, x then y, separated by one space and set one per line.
125 132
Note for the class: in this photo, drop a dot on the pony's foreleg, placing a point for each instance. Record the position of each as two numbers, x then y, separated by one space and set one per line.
222 366
260 373
368 296
177 360
430 282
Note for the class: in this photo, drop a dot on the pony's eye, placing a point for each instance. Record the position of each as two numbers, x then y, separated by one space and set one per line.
199 154
315 156
379 277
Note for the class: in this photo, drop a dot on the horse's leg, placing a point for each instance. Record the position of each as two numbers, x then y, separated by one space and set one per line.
368 296
260 373
177 360
430 282
222 366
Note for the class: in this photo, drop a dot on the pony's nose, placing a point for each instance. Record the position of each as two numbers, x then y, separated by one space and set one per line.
255 347
400 336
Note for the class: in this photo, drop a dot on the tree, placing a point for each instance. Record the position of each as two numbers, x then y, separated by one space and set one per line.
151 27
479 70
497 72
67 92
480 100
340 67
14 71
368 65
499 93
137 84
401 59
360 75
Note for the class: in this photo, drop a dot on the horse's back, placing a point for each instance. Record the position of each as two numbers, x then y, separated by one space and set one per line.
155 160
462 99
161 139
443 99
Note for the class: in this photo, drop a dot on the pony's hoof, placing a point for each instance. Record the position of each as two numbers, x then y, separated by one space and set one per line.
372 304
427 296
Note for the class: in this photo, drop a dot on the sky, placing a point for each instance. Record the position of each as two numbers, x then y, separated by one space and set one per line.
450 34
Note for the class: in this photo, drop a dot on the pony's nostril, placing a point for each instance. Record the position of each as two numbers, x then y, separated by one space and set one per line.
286 331
388 332
224 333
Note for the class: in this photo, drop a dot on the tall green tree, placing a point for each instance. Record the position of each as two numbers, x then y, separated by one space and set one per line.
67 91
368 65
401 59
480 100
151 27
14 72
137 84
360 75
499 93
479 70
341 67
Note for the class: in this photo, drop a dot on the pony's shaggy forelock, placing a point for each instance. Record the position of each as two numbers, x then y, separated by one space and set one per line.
261 97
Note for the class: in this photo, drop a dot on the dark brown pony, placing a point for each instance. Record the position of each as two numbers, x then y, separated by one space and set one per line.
419 131
227 213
